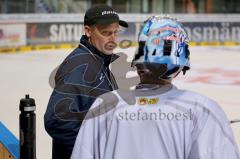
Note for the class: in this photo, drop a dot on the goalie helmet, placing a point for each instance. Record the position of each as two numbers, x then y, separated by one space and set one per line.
163 46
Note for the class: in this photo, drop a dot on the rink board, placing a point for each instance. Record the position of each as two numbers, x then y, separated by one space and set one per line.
9 145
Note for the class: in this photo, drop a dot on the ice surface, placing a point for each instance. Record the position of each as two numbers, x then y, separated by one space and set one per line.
215 72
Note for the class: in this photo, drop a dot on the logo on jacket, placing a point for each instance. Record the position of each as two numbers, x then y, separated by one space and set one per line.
101 76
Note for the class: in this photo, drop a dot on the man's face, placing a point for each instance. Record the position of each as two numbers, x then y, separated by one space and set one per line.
103 37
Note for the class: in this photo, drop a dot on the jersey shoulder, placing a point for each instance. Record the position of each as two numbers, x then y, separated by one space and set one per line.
202 103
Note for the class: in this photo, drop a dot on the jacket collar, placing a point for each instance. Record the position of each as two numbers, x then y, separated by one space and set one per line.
107 59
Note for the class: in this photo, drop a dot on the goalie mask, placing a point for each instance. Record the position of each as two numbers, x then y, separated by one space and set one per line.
163 47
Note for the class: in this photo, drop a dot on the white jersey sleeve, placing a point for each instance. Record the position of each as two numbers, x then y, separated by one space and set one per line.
213 137
92 137
85 142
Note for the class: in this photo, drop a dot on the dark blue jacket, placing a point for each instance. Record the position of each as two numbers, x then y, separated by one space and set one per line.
80 79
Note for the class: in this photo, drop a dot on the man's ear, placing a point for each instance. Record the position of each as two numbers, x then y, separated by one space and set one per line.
87 31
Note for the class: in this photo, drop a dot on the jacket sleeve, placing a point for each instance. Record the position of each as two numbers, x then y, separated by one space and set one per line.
60 129
66 101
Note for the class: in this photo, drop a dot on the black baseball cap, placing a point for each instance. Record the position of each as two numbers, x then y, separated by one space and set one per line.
102 14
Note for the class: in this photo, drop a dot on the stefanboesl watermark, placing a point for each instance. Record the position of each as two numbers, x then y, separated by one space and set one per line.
142 115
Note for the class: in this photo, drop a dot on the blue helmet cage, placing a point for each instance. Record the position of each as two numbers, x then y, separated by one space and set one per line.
163 41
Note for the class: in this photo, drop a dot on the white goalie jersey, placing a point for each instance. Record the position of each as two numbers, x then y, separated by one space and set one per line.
165 123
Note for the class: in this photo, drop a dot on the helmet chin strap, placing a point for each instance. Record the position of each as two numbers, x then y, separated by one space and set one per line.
150 87
172 75
147 87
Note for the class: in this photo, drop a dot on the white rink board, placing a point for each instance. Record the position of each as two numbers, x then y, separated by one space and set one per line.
215 73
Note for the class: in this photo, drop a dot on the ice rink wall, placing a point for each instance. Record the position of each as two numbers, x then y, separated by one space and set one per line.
27 32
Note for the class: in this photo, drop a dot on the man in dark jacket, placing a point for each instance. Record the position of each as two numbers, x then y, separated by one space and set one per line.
81 78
